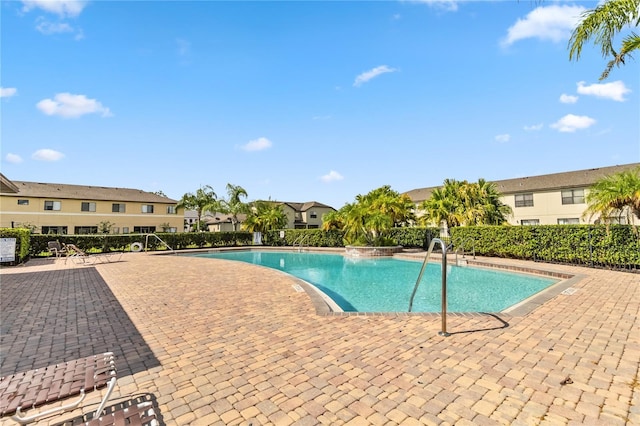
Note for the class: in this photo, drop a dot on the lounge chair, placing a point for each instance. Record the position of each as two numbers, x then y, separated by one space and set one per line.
56 249
34 388
136 415
80 256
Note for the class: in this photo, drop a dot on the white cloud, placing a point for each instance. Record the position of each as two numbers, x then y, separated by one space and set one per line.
554 23
332 176
372 73
62 8
7 92
13 158
570 123
534 127
446 5
68 105
257 144
568 99
47 155
47 27
614 90
503 138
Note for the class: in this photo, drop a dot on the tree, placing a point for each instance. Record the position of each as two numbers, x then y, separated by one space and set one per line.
602 24
615 195
369 219
460 203
203 199
234 205
264 216
160 193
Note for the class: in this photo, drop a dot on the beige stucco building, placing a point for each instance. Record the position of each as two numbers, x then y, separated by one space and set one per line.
52 208
305 215
552 199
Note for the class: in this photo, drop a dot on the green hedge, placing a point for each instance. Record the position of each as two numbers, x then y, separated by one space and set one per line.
590 245
22 236
111 243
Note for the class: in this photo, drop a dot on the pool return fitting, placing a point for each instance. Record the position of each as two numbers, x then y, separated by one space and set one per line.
443 332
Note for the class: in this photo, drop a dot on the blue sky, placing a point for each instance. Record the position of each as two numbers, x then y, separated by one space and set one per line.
305 101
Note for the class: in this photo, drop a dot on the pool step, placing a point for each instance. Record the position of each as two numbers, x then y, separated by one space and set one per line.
462 262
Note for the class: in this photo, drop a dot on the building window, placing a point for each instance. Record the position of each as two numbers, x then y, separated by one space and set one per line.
524 200
118 208
147 208
526 222
144 229
115 230
88 207
171 209
569 221
52 205
573 196
23 202
313 215
61 230
125 229
85 230
313 226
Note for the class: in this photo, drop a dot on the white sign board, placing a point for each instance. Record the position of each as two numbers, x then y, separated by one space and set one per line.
7 249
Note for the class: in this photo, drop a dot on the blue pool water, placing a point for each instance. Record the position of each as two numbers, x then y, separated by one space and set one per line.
385 284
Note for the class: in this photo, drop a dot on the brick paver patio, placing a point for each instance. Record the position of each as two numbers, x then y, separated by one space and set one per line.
219 343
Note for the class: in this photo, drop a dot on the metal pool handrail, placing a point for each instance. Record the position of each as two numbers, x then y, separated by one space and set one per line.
443 332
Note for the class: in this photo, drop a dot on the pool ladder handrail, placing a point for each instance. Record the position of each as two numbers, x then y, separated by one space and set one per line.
146 242
460 247
435 241
301 239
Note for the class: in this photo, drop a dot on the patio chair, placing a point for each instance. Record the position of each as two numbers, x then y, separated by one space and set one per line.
80 256
137 415
56 249
34 388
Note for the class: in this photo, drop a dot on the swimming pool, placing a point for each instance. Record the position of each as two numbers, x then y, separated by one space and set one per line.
385 284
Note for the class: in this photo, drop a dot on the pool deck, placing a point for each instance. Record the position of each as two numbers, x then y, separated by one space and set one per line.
212 342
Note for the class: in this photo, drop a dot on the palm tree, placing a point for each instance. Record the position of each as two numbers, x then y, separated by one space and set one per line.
370 219
234 205
204 199
602 24
265 216
459 203
615 194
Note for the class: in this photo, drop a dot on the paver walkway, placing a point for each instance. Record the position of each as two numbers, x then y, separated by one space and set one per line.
221 343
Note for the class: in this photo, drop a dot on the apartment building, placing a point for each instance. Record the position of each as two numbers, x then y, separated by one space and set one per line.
53 208
305 215
552 199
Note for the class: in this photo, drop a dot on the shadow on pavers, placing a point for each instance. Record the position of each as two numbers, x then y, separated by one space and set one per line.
53 316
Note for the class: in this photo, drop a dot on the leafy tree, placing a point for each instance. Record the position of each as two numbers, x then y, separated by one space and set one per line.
105 227
160 193
601 25
264 216
369 220
234 205
204 199
614 195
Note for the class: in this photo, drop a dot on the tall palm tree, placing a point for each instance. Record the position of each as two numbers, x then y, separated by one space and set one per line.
614 195
602 24
234 205
201 201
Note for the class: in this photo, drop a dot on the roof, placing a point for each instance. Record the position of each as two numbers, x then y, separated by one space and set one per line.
6 185
554 181
83 192
303 207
